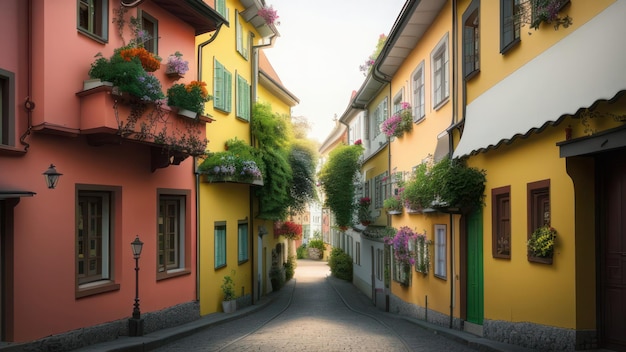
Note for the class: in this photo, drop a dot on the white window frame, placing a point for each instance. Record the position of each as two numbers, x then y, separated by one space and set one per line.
105 245
97 8
419 101
440 73
380 114
440 251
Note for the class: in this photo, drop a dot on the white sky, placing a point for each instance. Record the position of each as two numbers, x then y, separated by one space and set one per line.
322 43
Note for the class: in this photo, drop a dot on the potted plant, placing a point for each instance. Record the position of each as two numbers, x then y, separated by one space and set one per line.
268 14
188 98
363 211
393 205
238 163
398 123
277 278
229 302
418 192
458 188
541 244
176 67
315 248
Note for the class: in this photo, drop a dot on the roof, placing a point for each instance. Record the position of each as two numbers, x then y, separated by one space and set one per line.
199 15
271 81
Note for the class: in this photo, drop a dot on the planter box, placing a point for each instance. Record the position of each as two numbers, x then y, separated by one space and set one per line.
94 83
315 253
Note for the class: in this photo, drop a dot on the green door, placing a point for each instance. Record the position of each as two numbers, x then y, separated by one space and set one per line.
475 299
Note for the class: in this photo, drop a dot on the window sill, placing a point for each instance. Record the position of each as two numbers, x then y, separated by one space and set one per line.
172 273
91 289
11 150
441 103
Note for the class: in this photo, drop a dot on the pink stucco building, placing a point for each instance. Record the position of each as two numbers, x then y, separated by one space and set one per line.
127 170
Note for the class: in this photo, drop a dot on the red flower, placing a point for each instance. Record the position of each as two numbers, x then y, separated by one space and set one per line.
289 229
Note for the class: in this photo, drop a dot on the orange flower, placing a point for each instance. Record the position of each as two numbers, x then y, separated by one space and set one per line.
201 85
148 61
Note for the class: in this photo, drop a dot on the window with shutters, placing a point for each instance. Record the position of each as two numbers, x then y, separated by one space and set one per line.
242 234
243 98
501 222
173 238
222 88
219 233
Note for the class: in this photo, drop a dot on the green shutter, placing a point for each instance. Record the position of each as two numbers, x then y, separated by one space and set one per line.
228 89
218 86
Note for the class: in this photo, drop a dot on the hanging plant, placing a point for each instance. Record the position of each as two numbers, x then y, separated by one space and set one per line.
457 186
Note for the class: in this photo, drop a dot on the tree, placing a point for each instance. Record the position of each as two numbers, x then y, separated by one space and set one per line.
337 178
302 161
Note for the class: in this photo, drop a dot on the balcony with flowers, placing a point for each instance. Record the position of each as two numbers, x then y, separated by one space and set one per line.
236 164
123 101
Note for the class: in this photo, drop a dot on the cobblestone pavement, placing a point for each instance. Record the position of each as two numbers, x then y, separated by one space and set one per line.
315 312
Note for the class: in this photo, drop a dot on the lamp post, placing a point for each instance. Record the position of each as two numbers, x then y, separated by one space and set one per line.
135 324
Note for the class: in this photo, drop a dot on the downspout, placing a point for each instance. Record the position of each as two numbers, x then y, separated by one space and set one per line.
253 97
28 104
195 166
450 150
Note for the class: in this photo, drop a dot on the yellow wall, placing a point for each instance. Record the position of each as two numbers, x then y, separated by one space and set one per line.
278 106
533 42
224 201
409 151
515 289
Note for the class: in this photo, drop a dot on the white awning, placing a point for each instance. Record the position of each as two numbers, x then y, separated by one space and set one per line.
587 65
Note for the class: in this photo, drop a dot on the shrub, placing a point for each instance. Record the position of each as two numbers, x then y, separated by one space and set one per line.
302 251
290 267
340 264
317 243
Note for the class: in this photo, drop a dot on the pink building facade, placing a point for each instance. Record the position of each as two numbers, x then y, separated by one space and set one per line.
65 253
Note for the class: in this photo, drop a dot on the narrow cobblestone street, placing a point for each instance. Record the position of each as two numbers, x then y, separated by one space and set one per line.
316 312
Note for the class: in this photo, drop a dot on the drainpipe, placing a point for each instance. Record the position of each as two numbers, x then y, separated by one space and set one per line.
195 168
450 150
28 104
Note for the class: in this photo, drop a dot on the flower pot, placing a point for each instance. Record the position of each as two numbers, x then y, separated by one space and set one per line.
94 83
187 113
229 306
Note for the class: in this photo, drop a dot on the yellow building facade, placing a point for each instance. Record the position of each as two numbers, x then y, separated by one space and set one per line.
549 144
228 230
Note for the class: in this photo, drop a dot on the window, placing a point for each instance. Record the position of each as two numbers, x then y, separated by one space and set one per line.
222 88
243 98
440 72
471 39
242 234
7 108
379 115
440 251
380 190
220 244
357 254
397 102
379 264
418 93
501 222
242 38
171 234
220 7
422 255
151 26
538 204
93 18
509 26
94 247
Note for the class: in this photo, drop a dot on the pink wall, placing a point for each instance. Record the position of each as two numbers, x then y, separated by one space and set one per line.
44 251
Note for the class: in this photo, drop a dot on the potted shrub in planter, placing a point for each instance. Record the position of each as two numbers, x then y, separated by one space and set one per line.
458 188
229 303
176 67
315 248
541 245
188 98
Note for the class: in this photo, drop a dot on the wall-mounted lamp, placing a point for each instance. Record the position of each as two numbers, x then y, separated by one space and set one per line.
52 176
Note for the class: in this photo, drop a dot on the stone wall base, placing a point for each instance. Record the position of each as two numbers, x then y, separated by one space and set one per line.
539 337
396 305
153 321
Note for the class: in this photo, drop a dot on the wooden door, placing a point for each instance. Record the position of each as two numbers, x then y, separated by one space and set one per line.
475 299
612 259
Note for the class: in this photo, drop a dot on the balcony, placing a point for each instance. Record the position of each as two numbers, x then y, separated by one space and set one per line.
108 117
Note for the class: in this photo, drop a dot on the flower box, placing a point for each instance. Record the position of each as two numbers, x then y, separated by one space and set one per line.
94 83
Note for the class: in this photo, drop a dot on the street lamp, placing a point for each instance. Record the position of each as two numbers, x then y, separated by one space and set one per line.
52 177
135 324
